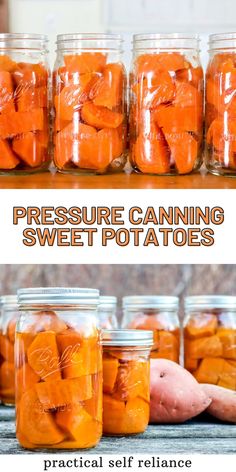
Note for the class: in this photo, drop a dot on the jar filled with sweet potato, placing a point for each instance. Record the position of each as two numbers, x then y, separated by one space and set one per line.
159 314
8 320
166 104
58 369
221 105
89 104
126 381
24 103
210 339
107 312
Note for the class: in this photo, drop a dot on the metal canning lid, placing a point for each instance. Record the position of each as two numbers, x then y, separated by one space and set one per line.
107 302
150 302
204 302
127 337
58 296
8 300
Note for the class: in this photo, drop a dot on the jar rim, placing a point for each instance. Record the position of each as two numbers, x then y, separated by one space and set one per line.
58 296
221 41
21 41
107 301
209 301
166 41
147 36
150 301
127 337
88 36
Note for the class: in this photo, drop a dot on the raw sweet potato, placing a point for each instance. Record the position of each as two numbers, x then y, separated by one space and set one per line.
56 393
108 91
175 394
43 356
15 123
151 154
29 149
204 347
101 117
223 404
201 325
85 63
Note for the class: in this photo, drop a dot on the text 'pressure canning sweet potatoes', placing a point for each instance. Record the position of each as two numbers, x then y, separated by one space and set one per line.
210 350
24 132
58 384
166 114
90 120
125 392
221 112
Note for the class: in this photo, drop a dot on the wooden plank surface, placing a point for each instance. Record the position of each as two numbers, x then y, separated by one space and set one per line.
198 436
49 180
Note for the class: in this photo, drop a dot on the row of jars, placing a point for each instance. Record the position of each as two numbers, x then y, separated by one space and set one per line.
89 104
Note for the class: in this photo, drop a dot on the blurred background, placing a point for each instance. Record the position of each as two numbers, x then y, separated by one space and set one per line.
123 16
121 280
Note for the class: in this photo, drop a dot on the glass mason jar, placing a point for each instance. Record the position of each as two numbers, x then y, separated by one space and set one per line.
166 104
221 105
210 339
107 312
160 314
58 369
126 381
89 104
9 316
24 103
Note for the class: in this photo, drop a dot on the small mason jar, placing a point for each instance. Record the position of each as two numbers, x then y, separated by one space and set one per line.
24 103
58 369
8 319
210 339
107 312
89 104
221 105
160 314
166 104
126 381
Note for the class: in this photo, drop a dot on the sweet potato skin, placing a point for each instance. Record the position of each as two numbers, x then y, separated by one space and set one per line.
175 394
223 404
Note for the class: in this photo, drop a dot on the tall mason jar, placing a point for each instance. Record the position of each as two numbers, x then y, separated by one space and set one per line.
107 312
89 104
24 103
58 369
126 381
8 319
166 104
210 339
221 105
159 314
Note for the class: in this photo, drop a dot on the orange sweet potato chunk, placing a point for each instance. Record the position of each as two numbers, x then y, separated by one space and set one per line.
228 376
26 378
28 74
222 134
43 356
7 64
6 93
101 117
136 416
31 97
29 149
171 62
201 326
8 160
76 422
151 153
209 370
113 413
187 95
78 359
85 63
228 339
110 371
193 75
37 425
183 150
6 349
177 119
108 91
68 142
167 346
57 393
130 381
98 152
15 123
204 347
11 328
7 377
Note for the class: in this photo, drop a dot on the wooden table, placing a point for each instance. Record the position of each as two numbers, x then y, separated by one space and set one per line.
49 180
202 437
